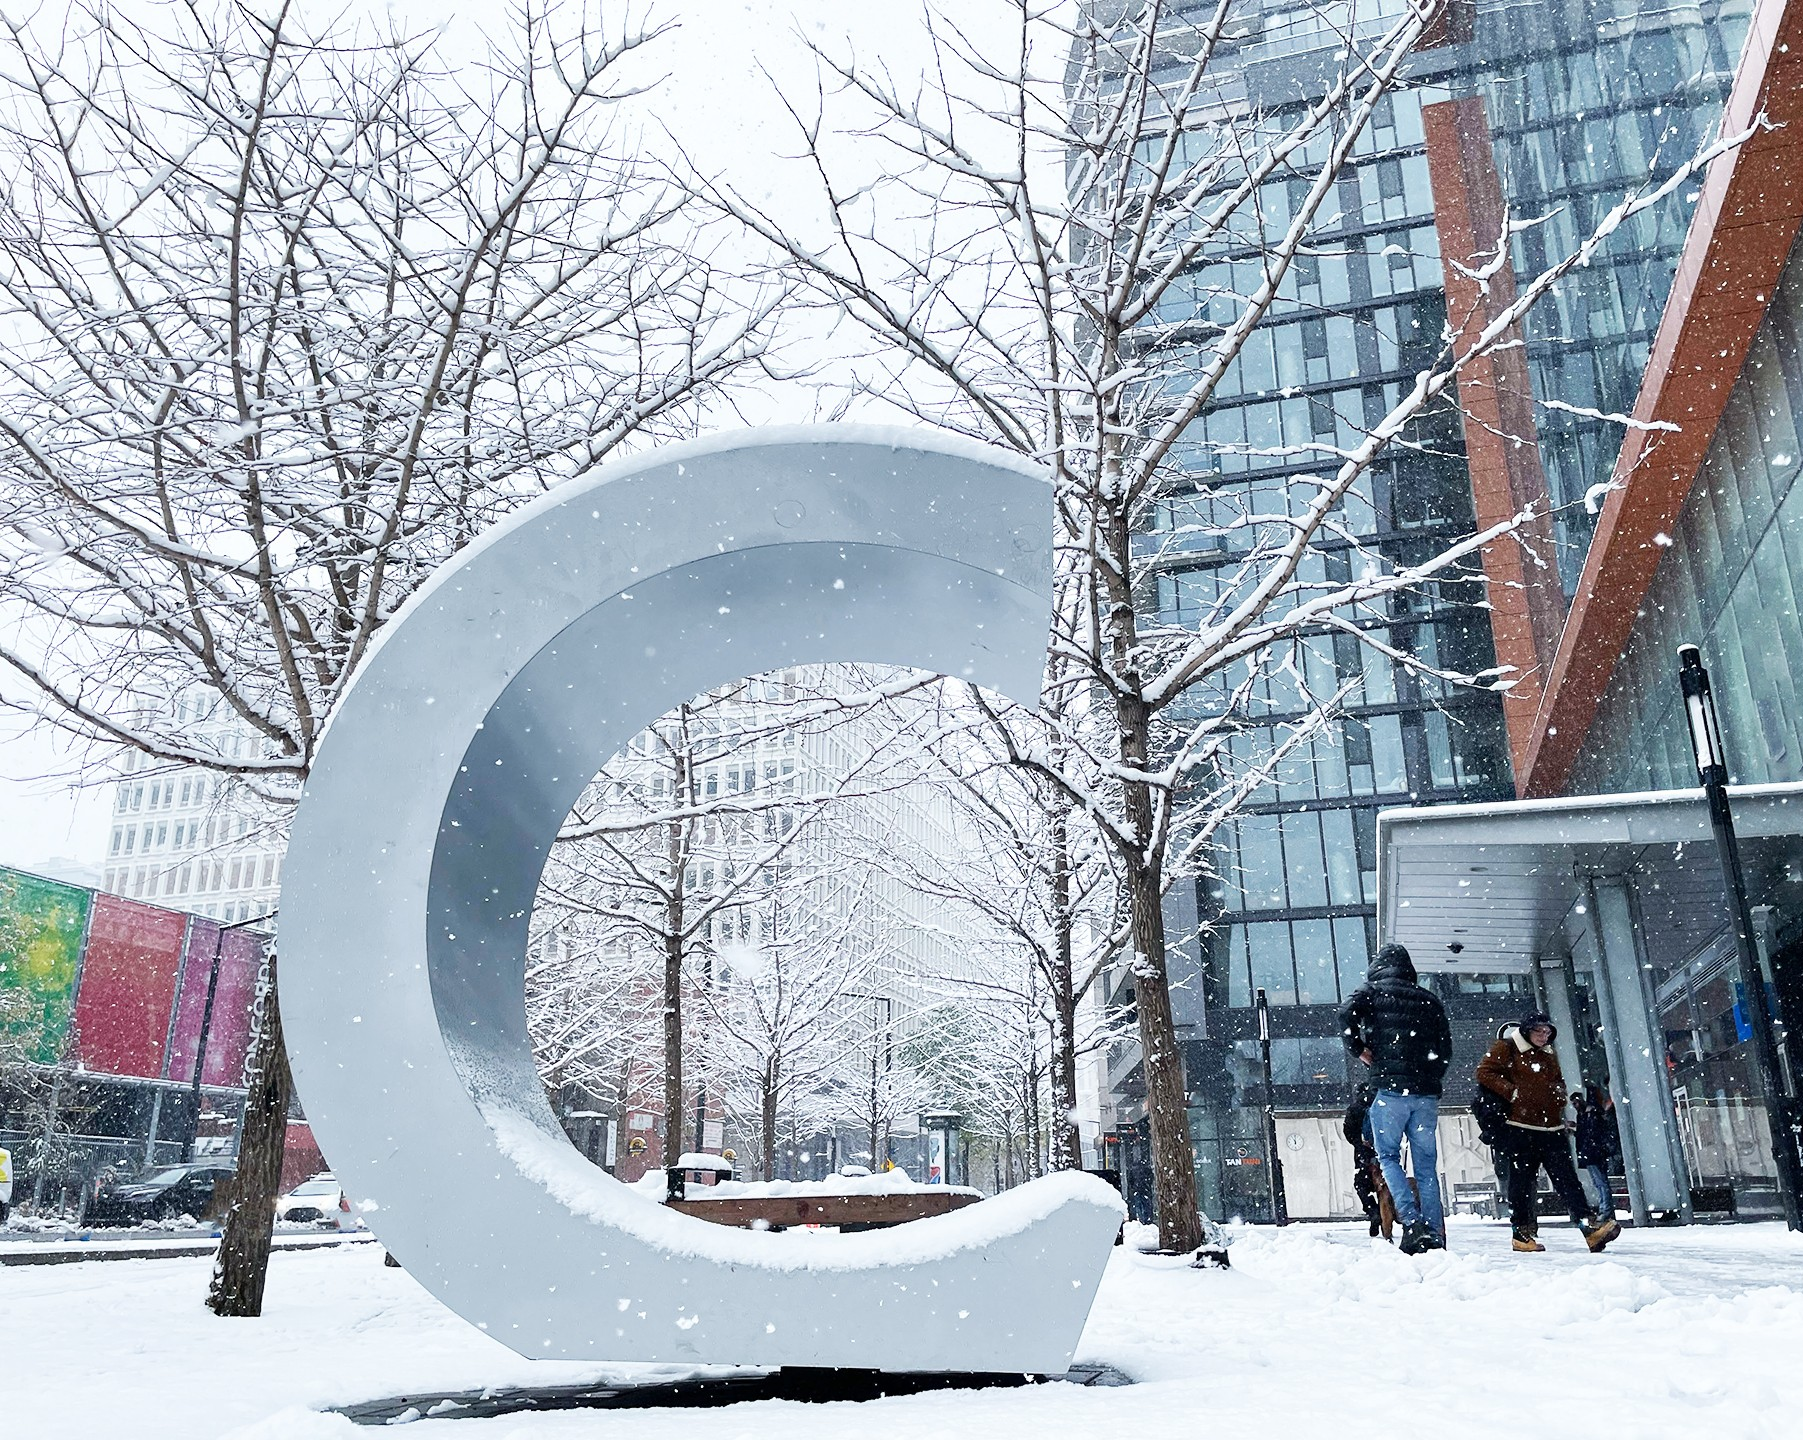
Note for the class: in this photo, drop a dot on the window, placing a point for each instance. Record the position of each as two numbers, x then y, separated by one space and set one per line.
1260 868
1315 970
1342 858
118 840
1268 947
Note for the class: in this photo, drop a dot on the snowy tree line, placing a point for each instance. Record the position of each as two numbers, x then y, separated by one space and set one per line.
778 901
294 316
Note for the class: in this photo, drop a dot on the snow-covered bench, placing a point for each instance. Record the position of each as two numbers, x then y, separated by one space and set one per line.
846 1202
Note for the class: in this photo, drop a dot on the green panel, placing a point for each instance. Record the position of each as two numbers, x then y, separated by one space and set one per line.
41 927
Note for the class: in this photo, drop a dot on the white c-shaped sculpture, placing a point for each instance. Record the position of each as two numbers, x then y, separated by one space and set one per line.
486 706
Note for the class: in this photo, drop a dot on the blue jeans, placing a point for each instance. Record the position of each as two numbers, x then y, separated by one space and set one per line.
1416 1116
1599 1180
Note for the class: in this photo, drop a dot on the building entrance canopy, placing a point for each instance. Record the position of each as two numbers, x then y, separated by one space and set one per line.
1626 890
1505 882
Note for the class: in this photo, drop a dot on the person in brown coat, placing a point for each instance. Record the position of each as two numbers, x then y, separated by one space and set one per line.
1521 1069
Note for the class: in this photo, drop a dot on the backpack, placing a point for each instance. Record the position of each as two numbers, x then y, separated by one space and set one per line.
1491 1112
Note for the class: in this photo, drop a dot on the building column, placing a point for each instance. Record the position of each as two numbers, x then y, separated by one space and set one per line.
1555 995
1652 1154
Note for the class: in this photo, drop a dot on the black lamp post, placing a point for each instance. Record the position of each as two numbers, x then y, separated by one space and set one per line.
1712 770
1280 1206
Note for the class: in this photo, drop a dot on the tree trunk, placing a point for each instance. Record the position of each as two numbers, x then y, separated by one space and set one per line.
242 1264
676 855
875 1107
1031 1109
1066 1141
767 1131
673 1116
1167 1105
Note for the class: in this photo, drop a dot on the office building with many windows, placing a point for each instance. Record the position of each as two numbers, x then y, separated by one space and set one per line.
191 838
1604 879
1542 112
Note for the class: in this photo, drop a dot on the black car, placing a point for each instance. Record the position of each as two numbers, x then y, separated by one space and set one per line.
161 1195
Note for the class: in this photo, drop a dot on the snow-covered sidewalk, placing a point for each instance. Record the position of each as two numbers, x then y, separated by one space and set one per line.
1315 1330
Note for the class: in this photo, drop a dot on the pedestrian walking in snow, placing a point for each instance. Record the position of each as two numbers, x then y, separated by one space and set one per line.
1599 1141
1398 1030
1522 1070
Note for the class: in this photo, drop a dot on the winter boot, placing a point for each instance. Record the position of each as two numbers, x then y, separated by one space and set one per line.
1418 1236
1598 1233
1526 1241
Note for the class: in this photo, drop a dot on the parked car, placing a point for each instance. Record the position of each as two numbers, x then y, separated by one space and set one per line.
319 1201
164 1194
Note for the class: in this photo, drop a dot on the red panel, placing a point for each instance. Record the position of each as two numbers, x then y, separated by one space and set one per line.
203 935
301 1159
127 986
240 958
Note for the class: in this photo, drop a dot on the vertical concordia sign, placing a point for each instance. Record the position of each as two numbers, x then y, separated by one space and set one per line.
488 704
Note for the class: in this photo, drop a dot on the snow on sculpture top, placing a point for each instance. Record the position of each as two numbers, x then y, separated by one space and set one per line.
490 701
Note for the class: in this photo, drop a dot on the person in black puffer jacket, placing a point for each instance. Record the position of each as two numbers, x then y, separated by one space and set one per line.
1398 1029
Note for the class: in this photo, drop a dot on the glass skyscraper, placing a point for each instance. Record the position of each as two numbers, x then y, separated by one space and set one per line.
1573 105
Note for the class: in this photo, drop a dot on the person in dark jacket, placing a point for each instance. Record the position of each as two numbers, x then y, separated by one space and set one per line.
1522 1069
1398 1029
1599 1141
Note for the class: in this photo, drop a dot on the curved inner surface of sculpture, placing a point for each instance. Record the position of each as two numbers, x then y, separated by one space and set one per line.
489 702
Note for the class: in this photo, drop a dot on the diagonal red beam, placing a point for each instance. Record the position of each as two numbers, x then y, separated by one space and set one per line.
1745 224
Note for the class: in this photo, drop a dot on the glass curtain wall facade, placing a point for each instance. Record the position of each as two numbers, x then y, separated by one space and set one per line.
1585 101
1582 99
1729 583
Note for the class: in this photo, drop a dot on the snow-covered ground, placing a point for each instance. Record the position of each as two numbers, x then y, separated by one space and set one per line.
1314 1331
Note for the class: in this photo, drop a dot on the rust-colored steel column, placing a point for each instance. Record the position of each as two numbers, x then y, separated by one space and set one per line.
1501 443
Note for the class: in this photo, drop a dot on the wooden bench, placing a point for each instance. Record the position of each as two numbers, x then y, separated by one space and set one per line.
847 1212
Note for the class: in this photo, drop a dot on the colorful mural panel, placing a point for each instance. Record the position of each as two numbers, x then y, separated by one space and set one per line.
239 954
121 986
128 978
42 923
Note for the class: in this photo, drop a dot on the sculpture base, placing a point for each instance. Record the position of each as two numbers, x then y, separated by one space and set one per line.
789 1383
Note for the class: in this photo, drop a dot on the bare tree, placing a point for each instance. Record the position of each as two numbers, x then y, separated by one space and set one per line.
1034 887
783 1010
1065 249
290 319
689 841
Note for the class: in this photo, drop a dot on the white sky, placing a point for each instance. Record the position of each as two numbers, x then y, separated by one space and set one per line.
720 108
